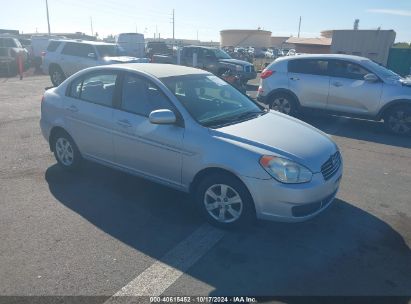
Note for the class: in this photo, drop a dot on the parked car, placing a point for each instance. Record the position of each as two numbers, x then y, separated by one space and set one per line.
213 60
39 45
66 57
10 48
157 48
188 129
354 86
132 43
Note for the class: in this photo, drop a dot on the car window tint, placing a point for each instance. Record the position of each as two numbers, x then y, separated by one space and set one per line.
140 96
345 69
99 88
7 42
53 45
308 66
77 49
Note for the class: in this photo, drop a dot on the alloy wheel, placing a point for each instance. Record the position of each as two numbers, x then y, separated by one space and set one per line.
64 151
400 122
223 203
281 104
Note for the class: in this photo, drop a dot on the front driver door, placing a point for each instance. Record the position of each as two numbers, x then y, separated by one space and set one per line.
349 92
140 146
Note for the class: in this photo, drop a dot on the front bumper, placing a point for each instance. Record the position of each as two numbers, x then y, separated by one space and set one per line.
293 202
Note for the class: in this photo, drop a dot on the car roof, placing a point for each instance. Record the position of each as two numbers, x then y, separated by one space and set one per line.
83 41
324 56
157 70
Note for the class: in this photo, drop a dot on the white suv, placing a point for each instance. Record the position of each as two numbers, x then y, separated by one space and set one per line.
352 85
63 58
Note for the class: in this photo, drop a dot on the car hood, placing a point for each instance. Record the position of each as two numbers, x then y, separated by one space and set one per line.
126 59
281 135
235 61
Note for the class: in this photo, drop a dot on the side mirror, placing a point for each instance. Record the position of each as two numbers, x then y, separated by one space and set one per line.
371 77
91 55
162 117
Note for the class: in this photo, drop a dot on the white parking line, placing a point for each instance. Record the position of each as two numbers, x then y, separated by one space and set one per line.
163 273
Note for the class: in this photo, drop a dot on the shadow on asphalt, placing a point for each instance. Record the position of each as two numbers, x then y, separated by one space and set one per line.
360 129
344 251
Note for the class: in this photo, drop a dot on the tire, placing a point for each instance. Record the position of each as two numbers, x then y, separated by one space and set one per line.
66 152
398 120
216 207
284 103
56 75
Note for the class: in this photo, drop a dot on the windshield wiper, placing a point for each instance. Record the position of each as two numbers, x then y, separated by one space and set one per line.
250 114
234 119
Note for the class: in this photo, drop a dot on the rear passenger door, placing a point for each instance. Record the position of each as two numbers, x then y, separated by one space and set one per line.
349 92
148 149
74 57
89 114
310 81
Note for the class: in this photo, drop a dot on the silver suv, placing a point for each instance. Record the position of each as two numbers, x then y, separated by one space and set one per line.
351 85
63 58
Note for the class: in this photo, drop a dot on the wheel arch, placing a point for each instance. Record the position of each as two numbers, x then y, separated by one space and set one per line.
283 91
54 132
392 104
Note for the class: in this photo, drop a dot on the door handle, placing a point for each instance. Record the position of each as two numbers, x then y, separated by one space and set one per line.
337 84
124 123
72 108
294 78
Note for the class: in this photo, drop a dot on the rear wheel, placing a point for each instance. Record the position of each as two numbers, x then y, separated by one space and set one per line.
66 151
284 103
224 201
398 120
56 75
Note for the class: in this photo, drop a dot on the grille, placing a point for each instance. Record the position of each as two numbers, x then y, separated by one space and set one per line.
331 166
249 68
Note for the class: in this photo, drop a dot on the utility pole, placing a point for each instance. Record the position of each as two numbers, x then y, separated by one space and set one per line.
91 26
197 35
48 19
299 28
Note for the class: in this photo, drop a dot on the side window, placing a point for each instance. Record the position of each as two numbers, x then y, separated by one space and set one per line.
140 96
95 88
53 45
308 66
69 49
345 69
77 49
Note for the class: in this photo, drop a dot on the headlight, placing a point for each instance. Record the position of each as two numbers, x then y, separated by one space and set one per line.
285 171
239 68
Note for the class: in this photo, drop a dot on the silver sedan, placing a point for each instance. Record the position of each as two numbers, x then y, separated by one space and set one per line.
190 130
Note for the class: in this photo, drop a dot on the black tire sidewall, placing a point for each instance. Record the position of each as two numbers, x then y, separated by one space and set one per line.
59 70
248 212
76 153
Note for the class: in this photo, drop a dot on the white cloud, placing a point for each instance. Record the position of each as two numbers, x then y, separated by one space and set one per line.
390 12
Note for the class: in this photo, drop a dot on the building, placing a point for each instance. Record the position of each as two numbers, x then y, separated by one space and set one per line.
244 38
320 45
373 44
281 43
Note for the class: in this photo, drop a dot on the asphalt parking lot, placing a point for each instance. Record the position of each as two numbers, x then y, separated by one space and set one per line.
94 233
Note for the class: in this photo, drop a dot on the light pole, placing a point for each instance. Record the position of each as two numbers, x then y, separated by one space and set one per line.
48 19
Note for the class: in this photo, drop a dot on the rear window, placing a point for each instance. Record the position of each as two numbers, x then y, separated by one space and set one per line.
308 66
53 45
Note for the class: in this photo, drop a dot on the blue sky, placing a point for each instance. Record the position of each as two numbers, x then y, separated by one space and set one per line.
207 17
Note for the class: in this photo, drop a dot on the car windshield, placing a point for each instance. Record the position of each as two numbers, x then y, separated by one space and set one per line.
211 101
220 54
382 71
109 50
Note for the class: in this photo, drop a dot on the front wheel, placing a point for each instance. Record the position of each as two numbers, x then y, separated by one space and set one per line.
225 201
398 120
